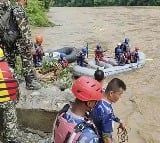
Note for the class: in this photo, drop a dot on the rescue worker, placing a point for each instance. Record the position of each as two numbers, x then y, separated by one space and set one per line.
121 58
116 50
99 56
39 53
135 55
23 46
63 61
9 93
72 124
81 57
126 48
103 114
4 6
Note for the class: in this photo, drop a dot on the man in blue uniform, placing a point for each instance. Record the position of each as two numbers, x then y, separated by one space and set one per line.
103 115
81 57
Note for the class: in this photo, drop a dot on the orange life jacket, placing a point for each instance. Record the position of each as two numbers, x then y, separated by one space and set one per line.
8 84
99 54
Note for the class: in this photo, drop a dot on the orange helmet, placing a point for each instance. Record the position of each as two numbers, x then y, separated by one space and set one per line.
86 89
39 39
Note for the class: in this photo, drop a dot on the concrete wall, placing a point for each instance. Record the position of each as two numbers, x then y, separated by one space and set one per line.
36 119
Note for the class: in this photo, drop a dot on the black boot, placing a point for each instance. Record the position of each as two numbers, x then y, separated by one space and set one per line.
32 83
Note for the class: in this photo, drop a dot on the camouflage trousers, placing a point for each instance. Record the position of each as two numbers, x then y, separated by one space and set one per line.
9 119
26 58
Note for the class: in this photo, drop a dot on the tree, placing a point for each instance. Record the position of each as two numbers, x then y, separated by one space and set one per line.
106 2
158 2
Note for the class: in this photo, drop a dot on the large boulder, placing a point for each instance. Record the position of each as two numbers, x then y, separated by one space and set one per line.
49 98
38 109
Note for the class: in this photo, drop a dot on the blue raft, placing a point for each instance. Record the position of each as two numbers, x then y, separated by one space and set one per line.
110 71
71 54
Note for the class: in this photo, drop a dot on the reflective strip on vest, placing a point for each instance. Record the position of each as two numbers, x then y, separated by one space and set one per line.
8 85
3 92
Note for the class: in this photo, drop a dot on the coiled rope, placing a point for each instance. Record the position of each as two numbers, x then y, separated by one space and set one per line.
122 135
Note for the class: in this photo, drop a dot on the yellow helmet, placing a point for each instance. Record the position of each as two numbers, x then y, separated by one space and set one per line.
1 54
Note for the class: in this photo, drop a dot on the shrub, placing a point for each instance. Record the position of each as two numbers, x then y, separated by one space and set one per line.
36 13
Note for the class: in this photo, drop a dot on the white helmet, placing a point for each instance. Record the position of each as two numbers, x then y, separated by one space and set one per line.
119 44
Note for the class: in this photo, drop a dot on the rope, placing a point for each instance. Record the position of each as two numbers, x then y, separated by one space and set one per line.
122 135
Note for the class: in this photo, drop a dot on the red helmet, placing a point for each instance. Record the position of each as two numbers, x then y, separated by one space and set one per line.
39 39
137 48
86 89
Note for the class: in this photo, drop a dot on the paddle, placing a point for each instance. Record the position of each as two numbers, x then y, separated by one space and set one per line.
87 48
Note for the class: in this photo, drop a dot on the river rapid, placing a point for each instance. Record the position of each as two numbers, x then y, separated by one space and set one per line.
139 106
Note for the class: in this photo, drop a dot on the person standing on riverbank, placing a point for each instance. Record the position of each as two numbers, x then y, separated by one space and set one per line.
4 6
9 93
39 53
62 60
99 54
81 57
103 114
23 46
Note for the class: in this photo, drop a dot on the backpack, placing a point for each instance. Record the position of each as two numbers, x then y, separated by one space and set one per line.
9 31
65 132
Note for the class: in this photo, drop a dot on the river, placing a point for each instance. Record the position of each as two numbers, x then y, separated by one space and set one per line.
139 106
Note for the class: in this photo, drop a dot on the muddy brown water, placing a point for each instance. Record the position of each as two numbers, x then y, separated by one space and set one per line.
139 106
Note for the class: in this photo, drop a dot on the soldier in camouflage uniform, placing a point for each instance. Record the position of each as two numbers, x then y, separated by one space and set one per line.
9 122
23 46
8 94
4 5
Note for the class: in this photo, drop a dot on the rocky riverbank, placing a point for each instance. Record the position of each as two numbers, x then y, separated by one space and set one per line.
36 111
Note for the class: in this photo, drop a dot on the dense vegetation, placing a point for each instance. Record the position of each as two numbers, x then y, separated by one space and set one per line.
106 2
36 11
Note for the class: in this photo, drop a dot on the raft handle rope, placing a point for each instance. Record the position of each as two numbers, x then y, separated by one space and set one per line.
122 135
